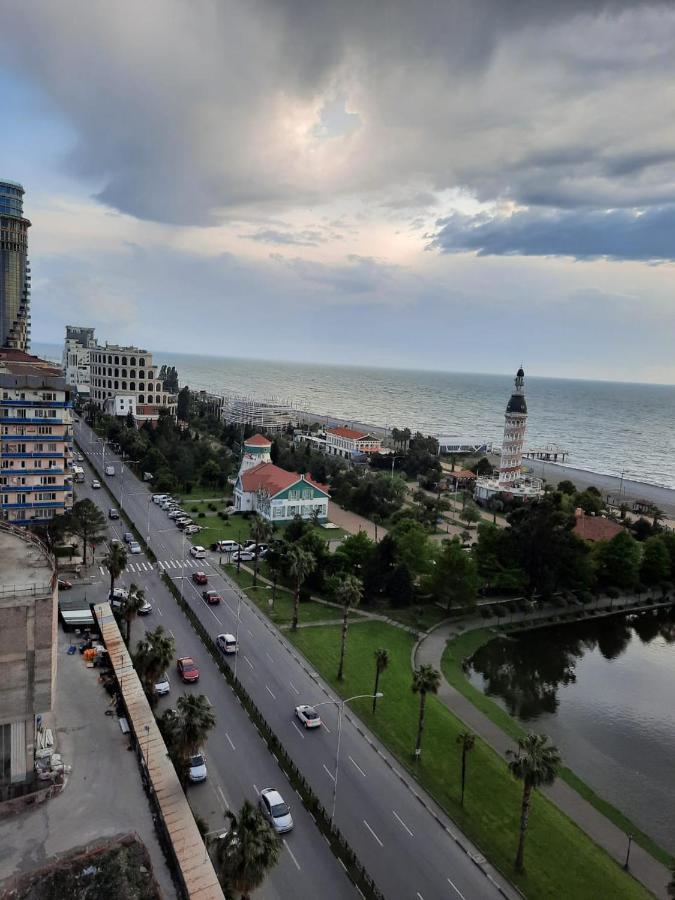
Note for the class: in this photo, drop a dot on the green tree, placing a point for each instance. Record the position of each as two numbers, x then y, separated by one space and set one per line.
590 502
618 561
348 594
470 514
454 578
655 567
300 563
567 487
189 728
426 680
249 850
115 562
261 532
152 658
467 741
535 763
354 553
210 473
381 663
88 523
132 605
413 546
275 564
183 404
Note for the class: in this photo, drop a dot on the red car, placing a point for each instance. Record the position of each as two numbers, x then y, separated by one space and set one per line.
200 578
213 598
187 669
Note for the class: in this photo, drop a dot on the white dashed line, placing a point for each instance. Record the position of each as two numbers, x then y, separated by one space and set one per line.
330 774
249 661
376 837
102 570
255 788
290 682
403 823
326 727
297 729
358 767
456 889
291 855
229 740
270 692
269 657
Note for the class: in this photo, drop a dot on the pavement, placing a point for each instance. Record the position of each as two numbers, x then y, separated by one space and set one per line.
653 875
103 796
354 523
407 844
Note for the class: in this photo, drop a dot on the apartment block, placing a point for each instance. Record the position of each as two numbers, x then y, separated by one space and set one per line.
128 371
76 362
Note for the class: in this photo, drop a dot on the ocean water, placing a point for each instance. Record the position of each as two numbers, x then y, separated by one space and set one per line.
607 427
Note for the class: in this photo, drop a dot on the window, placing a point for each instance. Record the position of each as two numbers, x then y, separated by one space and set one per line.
52 448
46 479
45 429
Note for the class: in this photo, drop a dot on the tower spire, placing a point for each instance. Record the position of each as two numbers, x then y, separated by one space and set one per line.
515 423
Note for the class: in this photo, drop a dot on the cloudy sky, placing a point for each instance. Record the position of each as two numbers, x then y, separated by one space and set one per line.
438 184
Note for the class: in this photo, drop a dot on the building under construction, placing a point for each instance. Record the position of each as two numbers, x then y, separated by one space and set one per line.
272 415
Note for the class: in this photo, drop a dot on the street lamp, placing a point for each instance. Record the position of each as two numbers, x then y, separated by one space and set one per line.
129 462
341 705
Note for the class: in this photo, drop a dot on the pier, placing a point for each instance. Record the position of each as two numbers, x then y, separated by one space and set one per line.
549 453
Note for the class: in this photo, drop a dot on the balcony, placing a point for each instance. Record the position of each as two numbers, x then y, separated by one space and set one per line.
16 420
38 504
48 404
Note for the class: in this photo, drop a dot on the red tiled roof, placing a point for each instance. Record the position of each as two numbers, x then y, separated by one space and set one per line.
270 478
596 528
257 441
17 362
461 474
350 434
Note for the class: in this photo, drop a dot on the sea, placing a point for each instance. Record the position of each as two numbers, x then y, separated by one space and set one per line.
606 427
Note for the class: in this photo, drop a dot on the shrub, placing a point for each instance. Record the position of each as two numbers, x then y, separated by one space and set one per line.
221 514
194 509
585 597
201 515
229 503
612 593
212 506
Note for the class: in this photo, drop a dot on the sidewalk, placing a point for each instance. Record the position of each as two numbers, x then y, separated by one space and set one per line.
353 523
643 867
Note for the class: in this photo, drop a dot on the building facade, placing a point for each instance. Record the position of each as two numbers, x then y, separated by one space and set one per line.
267 415
76 358
128 371
28 613
14 269
348 442
36 435
120 405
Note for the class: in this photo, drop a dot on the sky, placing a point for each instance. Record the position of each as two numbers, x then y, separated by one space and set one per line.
441 184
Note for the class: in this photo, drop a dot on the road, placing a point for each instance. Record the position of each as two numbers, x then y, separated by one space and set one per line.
410 848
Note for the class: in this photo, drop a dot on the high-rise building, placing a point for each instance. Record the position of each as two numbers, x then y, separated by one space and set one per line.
129 374
14 269
76 361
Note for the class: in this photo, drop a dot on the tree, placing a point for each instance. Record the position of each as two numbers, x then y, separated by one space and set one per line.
354 553
152 658
275 563
454 578
618 561
413 546
535 763
248 851
470 514
655 567
183 404
567 487
130 421
115 562
210 473
381 663
348 594
300 564
466 740
88 523
132 605
426 680
261 532
189 729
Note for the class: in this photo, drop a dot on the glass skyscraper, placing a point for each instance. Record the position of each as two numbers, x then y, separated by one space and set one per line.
14 269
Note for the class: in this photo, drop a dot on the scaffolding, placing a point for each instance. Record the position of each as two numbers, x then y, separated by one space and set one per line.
270 415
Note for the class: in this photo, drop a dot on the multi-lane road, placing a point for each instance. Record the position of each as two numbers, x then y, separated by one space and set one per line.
410 848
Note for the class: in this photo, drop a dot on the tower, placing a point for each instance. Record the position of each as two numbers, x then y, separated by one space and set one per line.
257 449
14 269
515 422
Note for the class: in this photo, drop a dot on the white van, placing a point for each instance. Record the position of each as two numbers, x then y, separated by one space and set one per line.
228 546
110 470
198 552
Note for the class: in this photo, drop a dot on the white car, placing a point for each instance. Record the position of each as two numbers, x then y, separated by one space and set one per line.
79 457
227 643
163 685
192 529
145 609
228 546
275 810
308 716
96 484
243 556
157 498
135 547
198 552
176 513
197 768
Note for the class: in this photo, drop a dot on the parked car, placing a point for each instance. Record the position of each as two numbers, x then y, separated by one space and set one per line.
79 457
145 609
162 685
187 669
200 578
308 716
275 810
226 546
64 585
135 547
183 523
243 556
110 470
250 546
192 529
213 598
176 513
128 537
198 552
157 498
113 514
147 476
96 484
227 643
197 768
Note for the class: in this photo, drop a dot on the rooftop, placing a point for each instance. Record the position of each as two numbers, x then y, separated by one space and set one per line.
257 441
595 528
271 479
350 433
25 566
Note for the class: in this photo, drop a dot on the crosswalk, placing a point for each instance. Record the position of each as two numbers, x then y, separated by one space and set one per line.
167 565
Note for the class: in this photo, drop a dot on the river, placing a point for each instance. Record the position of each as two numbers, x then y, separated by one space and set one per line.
604 692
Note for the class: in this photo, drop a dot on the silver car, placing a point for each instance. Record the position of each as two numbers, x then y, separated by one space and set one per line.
275 810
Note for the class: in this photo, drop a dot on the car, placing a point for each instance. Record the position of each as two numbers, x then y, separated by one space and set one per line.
250 547
198 552
135 547
162 685
243 556
79 457
213 598
226 546
115 542
183 523
176 513
275 810
308 716
200 578
166 502
145 609
128 537
95 484
227 643
187 669
157 498
192 529
113 514
118 597
110 470
197 768
64 585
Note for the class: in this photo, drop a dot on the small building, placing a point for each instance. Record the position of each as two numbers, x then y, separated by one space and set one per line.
449 444
257 449
278 495
348 442
120 405
459 479
595 528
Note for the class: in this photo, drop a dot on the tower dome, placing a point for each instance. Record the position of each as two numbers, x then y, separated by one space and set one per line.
257 449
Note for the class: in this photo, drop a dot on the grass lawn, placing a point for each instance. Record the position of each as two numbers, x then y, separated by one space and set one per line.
204 493
422 618
467 644
560 859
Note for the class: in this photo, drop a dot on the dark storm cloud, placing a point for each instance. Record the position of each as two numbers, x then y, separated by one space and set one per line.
617 234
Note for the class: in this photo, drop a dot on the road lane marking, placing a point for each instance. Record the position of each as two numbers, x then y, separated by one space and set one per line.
403 823
456 889
297 729
255 788
250 632
159 610
229 741
292 856
249 661
269 657
161 564
214 615
420 896
172 634
102 570
376 837
270 692
294 687
358 767
325 726
330 774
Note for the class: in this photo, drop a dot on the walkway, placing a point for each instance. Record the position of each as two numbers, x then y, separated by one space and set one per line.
653 875
353 523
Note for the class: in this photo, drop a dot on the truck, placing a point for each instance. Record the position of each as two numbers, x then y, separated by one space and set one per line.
78 473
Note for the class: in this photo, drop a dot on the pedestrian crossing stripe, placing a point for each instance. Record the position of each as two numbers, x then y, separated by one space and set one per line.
102 570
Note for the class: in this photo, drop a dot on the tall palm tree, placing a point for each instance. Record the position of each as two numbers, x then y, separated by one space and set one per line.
261 532
348 594
535 762
426 680
381 663
467 741
132 604
115 562
194 719
248 851
152 658
300 564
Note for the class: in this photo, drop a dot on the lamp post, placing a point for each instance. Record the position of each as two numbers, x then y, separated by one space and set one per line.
236 633
129 462
341 705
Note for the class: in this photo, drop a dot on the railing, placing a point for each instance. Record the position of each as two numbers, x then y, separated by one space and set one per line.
28 590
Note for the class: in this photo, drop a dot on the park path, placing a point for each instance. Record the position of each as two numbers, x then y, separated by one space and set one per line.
651 873
353 523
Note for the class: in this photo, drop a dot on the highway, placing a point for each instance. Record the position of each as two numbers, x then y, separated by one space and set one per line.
410 848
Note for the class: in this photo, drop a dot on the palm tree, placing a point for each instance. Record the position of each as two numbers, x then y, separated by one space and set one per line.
248 851
348 594
300 564
426 680
194 719
274 564
115 562
467 740
152 658
381 663
535 762
132 604
261 532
